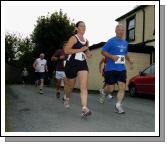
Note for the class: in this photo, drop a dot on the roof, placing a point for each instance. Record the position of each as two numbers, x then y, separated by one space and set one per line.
131 12
138 48
96 46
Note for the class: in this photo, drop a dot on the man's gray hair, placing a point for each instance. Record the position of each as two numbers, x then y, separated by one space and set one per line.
119 25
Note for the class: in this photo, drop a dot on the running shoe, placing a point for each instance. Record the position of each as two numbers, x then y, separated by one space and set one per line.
41 92
58 94
109 96
119 109
102 99
67 103
102 91
85 113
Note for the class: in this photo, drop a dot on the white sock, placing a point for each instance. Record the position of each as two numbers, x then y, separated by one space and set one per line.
84 108
118 104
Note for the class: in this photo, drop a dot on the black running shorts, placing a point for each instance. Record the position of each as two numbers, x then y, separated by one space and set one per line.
73 67
112 77
39 75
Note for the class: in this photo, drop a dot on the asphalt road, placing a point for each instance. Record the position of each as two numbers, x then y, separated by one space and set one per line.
29 111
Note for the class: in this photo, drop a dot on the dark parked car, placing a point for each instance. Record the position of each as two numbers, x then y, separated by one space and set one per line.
144 83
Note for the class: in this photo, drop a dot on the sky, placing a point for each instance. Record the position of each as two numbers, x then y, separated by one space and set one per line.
20 18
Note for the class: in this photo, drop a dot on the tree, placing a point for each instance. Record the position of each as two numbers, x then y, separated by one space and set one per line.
11 45
25 52
18 50
50 32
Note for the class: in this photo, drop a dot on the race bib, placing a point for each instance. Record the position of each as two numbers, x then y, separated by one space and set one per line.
121 59
64 63
80 56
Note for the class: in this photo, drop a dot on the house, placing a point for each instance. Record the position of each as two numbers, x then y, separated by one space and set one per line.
140 31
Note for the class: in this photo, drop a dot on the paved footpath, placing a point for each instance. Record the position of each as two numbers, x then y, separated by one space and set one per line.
29 111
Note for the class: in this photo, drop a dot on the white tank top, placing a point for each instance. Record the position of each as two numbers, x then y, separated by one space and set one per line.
40 65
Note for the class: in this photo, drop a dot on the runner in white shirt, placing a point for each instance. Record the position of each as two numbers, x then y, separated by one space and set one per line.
40 66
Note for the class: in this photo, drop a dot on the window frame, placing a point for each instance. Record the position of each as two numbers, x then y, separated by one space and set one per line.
128 30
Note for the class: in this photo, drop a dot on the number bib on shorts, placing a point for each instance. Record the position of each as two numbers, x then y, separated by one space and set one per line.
121 59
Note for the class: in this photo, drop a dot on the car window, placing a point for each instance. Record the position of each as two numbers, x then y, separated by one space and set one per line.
150 70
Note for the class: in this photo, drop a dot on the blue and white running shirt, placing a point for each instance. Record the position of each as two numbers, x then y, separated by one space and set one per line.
116 46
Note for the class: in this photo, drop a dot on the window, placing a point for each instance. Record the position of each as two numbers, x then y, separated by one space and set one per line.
153 69
130 29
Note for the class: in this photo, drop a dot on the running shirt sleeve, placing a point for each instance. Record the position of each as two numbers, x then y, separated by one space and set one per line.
107 46
59 53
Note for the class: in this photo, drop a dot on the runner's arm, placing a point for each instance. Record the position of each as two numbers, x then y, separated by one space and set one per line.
62 57
46 68
108 55
128 59
101 65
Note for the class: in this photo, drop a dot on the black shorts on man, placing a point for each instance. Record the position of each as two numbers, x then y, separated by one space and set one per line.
112 77
39 75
